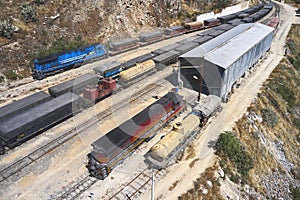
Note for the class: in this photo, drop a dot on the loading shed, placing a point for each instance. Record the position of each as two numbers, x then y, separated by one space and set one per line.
218 65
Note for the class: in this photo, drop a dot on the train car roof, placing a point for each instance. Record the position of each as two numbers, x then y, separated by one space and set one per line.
13 126
150 34
73 83
116 137
163 57
123 42
186 47
166 48
23 104
106 66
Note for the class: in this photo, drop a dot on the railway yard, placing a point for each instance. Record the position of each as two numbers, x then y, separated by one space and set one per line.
53 165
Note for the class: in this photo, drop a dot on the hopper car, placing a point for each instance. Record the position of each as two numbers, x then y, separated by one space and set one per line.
120 46
170 145
149 38
111 149
25 125
166 58
23 104
74 85
174 31
211 22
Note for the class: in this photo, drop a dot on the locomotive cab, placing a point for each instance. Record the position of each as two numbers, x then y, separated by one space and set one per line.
96 169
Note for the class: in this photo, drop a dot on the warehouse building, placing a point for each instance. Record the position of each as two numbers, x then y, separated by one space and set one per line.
214 67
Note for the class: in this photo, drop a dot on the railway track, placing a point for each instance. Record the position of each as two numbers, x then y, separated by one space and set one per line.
67 136
275 14
76 190
131 190
136 186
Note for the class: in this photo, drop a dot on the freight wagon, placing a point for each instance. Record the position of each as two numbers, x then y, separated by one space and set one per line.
122 46
23 104
25 125
74 85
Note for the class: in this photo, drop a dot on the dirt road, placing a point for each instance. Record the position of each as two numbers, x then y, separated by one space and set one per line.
232 111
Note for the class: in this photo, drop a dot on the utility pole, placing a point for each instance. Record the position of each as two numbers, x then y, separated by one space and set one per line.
152 188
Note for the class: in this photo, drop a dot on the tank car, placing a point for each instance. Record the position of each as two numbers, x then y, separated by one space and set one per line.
140 69
169 146
193 26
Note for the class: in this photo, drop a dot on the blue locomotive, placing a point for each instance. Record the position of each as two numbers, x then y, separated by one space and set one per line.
59 62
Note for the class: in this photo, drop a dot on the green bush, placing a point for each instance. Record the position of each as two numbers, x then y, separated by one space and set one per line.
230 147
295 193
6 29
10 74
61 45
27 12
270 117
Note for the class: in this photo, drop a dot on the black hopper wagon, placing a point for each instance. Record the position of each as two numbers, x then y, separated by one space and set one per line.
23 104
74 85
25 125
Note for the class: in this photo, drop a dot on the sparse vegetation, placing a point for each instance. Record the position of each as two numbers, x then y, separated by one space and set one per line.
270 117
229 147
2 79
12 75
295 193
27 12
6 29
200 184
61 45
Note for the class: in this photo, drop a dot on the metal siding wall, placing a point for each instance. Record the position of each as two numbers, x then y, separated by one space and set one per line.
239 67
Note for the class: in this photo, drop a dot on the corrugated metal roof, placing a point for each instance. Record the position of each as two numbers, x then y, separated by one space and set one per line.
212 44
226 54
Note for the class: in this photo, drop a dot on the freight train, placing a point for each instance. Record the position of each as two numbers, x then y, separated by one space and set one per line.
111 149
56 63
171 144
